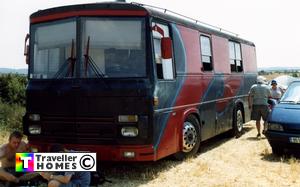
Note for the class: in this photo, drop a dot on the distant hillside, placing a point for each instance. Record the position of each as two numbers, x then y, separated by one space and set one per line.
279 68
10 70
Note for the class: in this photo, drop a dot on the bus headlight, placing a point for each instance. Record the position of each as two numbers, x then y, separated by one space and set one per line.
34 129
129 131
128 118
34 117
129 154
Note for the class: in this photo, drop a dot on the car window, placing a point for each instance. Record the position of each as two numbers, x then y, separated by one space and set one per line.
292 93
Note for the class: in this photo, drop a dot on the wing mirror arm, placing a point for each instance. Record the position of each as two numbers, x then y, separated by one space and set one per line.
26 48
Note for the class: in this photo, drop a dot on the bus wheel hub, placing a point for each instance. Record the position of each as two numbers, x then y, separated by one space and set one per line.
189 136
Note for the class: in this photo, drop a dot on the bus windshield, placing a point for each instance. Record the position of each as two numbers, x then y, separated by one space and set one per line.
113 47
117 47
52 46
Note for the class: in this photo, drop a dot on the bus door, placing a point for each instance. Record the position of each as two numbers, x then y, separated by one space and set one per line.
165 88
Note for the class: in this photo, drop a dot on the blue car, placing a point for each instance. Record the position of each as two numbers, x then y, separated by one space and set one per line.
284 121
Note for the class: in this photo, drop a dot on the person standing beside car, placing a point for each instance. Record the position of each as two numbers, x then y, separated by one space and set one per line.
276 92
258 103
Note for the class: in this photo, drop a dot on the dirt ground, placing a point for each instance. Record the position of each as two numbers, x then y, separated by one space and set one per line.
223 161
246 161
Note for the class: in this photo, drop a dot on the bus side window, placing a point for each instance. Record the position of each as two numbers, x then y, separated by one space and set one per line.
164 69
236 62
206 55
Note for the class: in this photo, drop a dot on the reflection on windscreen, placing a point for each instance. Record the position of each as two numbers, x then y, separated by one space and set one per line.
52 45
292 94
117 47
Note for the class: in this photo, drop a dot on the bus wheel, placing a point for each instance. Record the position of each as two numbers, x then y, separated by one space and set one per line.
190 138
238 122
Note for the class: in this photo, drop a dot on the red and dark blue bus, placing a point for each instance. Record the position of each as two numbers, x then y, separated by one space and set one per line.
131 82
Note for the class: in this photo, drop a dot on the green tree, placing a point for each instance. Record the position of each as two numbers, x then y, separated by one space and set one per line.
295 74
12 101
12 88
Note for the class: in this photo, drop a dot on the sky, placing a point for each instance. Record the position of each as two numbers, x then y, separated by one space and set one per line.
273 25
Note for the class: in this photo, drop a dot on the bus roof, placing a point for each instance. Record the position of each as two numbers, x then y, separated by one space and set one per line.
149 10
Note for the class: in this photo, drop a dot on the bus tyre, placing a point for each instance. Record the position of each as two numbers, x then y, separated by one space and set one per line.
238 121
190 138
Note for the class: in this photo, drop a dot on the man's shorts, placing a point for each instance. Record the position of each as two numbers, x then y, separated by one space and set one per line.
259 111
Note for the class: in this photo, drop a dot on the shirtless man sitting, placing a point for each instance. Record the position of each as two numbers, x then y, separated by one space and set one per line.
8 156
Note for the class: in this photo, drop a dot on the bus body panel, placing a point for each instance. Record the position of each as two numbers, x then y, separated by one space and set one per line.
221 55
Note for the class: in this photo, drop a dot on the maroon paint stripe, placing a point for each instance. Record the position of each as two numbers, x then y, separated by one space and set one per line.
88 13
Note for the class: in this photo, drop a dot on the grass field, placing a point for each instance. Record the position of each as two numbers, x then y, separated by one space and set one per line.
246 161
273 76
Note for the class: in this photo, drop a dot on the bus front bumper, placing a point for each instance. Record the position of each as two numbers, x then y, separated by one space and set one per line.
107 152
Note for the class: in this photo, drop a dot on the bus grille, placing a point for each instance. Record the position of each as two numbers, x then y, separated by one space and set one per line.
80 127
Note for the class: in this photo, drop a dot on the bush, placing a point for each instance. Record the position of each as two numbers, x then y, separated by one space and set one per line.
12 88
11 116
295 74
12 101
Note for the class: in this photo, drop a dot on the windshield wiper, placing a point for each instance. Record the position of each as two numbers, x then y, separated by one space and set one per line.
88 60
69 62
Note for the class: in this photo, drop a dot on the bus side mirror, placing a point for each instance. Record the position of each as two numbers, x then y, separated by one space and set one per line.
166 48
26 49
167 62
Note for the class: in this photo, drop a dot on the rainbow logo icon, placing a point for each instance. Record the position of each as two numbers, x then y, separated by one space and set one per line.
24 162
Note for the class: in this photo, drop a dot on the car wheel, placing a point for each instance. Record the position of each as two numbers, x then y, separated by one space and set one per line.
190 138
238 122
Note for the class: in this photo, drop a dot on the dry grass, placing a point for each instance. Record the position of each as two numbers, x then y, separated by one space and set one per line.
223 162
3 137
294 169
273 76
